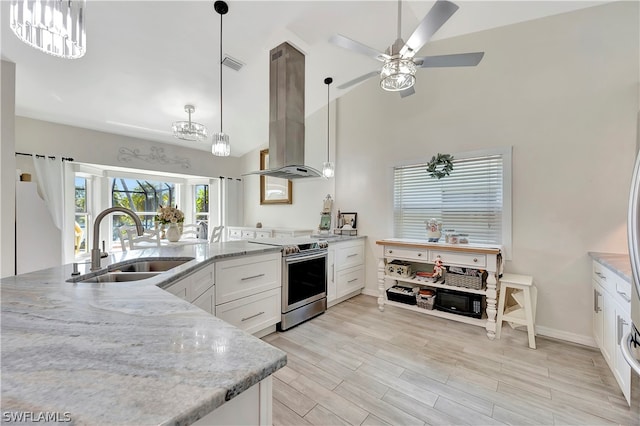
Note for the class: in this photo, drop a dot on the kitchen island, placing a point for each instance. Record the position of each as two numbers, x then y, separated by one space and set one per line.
125 353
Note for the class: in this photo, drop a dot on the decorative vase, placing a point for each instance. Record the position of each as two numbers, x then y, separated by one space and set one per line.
173 232
161 228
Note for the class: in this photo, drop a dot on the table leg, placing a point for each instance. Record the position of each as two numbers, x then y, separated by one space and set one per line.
381 282
492 297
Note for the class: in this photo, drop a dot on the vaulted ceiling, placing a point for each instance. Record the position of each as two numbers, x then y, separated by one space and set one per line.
146 59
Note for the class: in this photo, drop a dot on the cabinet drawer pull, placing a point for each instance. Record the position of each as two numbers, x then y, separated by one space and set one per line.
419 254
352 280
352 254
251 277
624 296
621 323
390 251
253 316
596 305
475 259
601 275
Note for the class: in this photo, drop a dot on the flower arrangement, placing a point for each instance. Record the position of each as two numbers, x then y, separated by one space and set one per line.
168 214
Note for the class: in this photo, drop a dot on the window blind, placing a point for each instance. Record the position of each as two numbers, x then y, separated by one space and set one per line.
469 200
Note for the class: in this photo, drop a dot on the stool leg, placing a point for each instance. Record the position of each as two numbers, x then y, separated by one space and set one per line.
501 296
529 316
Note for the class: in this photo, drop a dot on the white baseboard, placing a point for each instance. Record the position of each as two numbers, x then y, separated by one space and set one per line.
540 330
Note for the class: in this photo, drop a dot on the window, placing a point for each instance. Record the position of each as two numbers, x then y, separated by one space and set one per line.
81 217
143 197
475 199
201 202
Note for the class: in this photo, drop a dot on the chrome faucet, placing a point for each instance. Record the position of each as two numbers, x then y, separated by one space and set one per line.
95 251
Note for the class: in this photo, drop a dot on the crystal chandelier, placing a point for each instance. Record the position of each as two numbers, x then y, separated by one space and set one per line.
398 74
221 147
328 168
55 27
189 130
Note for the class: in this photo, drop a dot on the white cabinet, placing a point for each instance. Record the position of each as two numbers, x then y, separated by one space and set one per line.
345 270
196 288
248 293
611 320
249 233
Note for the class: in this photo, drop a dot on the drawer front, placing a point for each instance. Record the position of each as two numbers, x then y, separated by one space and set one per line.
246 276
405 253
350 280
201 281
472 260
263 234
605 277
349 255
252 313
248 234
235 234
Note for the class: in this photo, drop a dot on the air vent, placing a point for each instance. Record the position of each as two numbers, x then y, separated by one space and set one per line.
234 64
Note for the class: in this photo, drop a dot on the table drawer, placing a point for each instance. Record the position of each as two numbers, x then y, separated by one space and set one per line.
263 234
246 276
472 260
248 234
406 253
235 234
252 313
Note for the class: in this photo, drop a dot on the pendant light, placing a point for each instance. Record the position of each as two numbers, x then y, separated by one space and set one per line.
221 147
55 27
328 168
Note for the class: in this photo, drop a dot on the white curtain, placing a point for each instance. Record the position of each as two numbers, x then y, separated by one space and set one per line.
50 177
232 201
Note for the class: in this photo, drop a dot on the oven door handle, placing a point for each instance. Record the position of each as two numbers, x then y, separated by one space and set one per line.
299 258
626 352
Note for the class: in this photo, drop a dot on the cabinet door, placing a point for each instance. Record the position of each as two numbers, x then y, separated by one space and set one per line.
622 370
598 317
331 275
253 313
609 329
182 289
350 280
206 301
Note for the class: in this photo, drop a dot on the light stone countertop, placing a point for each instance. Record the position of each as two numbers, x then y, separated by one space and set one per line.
618 263
125 353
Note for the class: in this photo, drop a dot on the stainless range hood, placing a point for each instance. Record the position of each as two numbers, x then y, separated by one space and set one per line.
286 115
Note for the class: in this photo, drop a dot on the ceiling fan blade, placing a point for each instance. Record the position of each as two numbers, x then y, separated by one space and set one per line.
433 20
408 92
455 60
358 79
347 43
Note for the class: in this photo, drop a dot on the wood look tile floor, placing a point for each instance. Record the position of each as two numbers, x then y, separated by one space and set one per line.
355 365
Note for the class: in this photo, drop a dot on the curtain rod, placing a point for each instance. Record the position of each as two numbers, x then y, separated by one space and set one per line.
43 156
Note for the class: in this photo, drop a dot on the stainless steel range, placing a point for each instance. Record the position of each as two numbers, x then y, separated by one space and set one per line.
304 278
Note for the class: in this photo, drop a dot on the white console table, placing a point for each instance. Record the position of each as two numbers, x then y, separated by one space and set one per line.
477 256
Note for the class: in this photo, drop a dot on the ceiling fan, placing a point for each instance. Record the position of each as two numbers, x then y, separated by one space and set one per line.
399 61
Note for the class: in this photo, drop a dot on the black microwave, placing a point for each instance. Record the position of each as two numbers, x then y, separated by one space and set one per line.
457 302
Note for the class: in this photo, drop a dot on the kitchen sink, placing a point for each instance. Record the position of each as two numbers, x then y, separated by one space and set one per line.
119 277
150 265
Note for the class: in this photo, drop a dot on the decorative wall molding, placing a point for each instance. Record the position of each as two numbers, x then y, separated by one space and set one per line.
156 156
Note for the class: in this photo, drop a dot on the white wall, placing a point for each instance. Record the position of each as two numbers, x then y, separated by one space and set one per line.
308 193
90 146
7 169
563 92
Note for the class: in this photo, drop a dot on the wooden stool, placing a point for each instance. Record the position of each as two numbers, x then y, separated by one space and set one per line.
523 312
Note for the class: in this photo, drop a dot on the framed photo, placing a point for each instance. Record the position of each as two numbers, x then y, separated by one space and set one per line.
350 219
273 190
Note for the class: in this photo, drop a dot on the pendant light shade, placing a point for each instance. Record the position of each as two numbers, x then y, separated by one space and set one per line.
221 146
328 168
55 27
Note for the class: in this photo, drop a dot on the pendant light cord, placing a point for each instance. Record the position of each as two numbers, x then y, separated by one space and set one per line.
328 115
221 73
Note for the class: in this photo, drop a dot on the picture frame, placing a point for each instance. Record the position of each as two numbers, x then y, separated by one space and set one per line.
273 190
350 219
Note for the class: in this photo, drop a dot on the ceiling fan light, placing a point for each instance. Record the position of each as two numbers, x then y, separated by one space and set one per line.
54 27
221 147
328 169
398 75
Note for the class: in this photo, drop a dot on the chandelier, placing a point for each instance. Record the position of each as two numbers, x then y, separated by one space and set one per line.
398 74
189 130
55 27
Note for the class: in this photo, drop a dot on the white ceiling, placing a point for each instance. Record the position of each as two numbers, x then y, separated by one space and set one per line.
146 59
